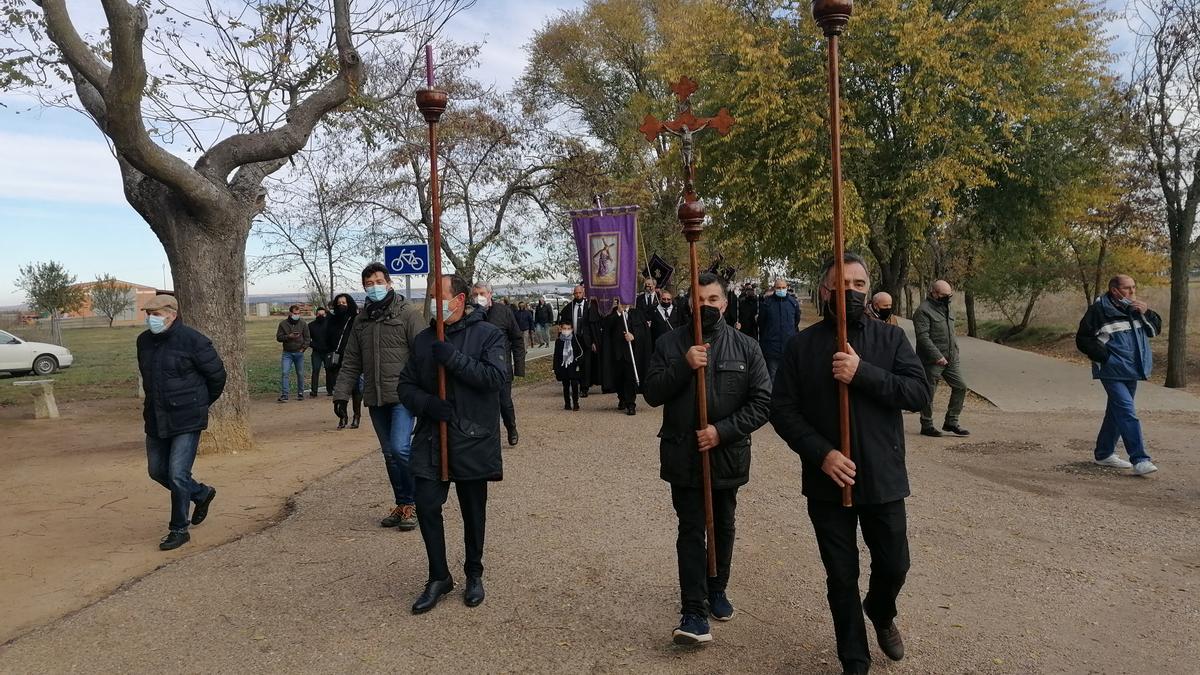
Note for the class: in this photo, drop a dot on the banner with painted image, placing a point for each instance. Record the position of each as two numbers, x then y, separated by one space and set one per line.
606 240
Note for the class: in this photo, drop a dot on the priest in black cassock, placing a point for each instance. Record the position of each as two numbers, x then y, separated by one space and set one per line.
625 355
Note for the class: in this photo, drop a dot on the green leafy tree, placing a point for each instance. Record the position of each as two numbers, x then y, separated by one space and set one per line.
111 297
50 289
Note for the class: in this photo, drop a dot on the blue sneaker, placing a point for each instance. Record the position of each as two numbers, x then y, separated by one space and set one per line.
693 630
719 607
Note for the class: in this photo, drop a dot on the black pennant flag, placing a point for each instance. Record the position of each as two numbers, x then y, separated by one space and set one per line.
659 271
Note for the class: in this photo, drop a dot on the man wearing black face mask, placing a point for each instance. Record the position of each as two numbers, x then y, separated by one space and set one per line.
666 317
938 350
739 399
881 308
884 377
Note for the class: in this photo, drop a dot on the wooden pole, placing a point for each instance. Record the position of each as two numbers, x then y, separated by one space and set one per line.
432 103
832 16
702 408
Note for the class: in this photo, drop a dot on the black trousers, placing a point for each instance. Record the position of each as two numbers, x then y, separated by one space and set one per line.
885 534
694 582
430 496
571 392
507 412
626 384
319 361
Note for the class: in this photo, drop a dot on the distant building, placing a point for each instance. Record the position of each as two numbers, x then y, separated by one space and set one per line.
141 295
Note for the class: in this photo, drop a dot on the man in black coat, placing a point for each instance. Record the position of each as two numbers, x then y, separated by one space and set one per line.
318 329
739 402
475 356
648 299
182 376
500 315
625 355
584 320
666 317
884 377
748 311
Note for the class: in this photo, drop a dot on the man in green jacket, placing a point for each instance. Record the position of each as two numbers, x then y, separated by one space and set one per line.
938 350
377 348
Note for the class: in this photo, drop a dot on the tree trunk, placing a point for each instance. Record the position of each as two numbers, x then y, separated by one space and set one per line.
972 323
208 267
56 328
1177 327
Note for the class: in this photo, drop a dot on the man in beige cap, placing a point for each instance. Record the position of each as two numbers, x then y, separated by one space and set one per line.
182 376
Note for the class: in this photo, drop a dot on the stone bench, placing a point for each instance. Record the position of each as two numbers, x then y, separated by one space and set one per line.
44 405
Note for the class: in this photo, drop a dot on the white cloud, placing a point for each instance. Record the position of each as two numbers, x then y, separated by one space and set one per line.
58 170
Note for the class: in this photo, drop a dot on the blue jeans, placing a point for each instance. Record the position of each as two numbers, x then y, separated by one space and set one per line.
287 362
169 461
1120 419
393 426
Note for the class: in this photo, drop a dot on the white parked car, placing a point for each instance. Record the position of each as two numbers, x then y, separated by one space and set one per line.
20 357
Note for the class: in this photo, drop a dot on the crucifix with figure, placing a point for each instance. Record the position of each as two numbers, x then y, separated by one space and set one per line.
691 218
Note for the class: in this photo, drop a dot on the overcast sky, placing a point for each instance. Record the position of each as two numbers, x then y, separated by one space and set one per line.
60 192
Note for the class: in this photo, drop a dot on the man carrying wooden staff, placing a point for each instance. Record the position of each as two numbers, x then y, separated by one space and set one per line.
739 399
884 377
474 355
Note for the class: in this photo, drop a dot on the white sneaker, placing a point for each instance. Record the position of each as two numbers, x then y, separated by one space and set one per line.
1114 461
1144 467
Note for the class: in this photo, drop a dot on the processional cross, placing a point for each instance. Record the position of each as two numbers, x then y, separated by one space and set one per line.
691 217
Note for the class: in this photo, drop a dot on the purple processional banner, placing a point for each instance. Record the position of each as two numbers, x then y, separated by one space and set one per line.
607 243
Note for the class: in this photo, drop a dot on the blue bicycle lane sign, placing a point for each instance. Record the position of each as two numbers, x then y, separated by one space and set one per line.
407 258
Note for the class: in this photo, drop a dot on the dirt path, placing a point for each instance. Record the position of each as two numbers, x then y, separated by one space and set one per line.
81 517
1025 559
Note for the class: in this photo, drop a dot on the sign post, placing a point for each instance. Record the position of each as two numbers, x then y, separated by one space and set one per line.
407 260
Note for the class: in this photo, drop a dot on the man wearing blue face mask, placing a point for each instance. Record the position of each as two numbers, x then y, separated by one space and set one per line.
778 321
1115 334
295 337
377 347
182 376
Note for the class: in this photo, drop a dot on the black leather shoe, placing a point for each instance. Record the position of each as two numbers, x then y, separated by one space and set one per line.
473 597
174 540
201 511
434 590
566 406
956 430
354 422
631 410
890 641
931 431
575 405
512 436
583 394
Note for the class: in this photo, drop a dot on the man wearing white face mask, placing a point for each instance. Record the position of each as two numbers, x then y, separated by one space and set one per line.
501 316
377 348
182 376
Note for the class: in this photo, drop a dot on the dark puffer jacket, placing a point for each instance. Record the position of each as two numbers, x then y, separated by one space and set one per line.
739 402
474 377
182 376
378 347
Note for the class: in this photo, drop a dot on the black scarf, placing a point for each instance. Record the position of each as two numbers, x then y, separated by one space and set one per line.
375 310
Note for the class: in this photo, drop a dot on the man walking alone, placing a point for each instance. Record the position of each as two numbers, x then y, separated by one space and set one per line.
937 347
1115 334
182 376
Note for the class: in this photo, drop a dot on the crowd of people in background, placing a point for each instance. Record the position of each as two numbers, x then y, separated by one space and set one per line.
759 367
